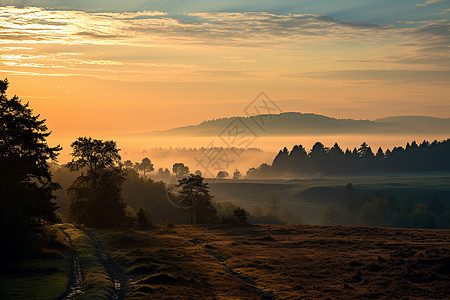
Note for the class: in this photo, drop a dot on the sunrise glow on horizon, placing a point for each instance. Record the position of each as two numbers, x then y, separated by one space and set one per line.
110 68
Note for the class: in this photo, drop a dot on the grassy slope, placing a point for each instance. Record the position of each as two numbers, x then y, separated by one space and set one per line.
98 283
44 277
309 197
47 276
166 265
289 261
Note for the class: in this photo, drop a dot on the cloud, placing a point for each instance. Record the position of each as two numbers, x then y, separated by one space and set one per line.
387 76
176 41
143 28
430 2
444 12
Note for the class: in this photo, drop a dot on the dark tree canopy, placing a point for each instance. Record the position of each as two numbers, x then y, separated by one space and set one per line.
180 170
194 194
222 175
25 180
146 166
92 155
334 161
96 195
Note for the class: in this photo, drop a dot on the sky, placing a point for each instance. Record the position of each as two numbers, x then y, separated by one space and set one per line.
117 67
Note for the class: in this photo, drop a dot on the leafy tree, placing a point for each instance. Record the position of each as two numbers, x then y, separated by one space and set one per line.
25 179
146 166
92 156
163 173
128 163
180 170
240 215
237 174
139 192
252 172
198 172
95 196
222 175
194 195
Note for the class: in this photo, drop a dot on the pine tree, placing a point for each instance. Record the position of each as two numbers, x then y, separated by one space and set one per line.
26 183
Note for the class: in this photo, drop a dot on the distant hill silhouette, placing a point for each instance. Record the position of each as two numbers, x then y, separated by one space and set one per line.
295 123
419 123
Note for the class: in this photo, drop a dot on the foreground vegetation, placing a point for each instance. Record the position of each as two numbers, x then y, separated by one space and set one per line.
242 262
44 274
283 261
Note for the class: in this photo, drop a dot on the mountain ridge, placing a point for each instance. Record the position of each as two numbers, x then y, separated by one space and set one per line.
296 123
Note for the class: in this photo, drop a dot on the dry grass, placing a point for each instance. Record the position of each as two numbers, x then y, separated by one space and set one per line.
286 261
98 284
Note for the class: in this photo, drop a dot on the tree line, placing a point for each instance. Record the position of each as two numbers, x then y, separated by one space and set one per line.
322 160
387 211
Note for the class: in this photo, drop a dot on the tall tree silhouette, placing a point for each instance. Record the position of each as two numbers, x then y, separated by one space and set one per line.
318 157
26 183
146 165
95 196
195 196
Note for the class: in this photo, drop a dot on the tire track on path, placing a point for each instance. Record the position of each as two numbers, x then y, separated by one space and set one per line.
120 280
76 285
264 295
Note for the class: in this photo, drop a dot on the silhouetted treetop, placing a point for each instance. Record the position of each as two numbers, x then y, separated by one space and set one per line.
26 183
427 156
93 154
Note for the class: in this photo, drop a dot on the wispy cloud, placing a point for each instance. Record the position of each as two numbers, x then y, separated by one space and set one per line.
430 2
147 45
76 27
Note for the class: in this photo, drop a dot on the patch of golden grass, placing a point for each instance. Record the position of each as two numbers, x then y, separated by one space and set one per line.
98 283
166 265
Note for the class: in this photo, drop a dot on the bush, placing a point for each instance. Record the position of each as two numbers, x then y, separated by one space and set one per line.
144 220
240 215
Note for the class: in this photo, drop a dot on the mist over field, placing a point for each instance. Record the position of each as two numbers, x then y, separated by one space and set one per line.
165 151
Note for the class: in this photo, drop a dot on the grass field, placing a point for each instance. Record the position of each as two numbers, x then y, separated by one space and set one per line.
44 276
309 197
244 262
283 262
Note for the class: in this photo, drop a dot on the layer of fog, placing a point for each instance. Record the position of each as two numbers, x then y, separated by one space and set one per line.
205 154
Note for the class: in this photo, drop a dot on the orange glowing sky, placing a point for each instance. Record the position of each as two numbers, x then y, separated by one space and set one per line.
99 71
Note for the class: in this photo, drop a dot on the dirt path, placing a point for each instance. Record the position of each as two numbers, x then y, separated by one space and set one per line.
116 272
76 283
265 295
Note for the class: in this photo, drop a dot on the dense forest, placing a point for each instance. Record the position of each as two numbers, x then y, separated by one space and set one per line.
321 160
387 210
